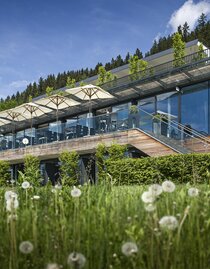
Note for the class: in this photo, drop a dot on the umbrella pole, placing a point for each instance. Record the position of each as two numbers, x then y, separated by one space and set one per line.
13 133
31 129
57 122
89 115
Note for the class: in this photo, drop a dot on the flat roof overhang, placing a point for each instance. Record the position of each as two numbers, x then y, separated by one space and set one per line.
128 88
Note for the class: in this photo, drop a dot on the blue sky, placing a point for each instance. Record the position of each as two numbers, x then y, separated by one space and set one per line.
41 37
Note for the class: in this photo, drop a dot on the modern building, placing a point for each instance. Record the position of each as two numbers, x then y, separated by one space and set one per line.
159 111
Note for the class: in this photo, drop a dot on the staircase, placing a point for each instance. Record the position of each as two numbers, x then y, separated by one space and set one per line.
178 137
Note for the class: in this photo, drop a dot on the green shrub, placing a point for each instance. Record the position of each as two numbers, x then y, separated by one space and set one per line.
4 172
112 153
116 151
69 168
180 168
31 170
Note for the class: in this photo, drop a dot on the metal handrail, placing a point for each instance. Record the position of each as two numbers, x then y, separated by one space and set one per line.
194 58
183 131
193 131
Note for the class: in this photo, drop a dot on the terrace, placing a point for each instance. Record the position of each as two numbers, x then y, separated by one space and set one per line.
158 79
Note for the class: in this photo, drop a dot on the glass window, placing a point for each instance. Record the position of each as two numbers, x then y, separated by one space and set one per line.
194 107
147 104
147 109
167 104
119 117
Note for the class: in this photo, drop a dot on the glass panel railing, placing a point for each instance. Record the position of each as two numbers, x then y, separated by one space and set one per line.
167 132
197 59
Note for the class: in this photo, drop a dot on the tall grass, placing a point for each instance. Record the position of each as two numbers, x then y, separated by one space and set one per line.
99 222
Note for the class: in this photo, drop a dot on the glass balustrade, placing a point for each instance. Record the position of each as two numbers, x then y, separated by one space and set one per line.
168 132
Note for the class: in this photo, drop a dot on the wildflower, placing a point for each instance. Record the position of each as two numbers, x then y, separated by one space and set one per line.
52 266
12 204
156 189
36 197
10 194
76 192
150 207
26 247
168 222
76 260
193 192
148 197
58 186
25 185
129 248
168 186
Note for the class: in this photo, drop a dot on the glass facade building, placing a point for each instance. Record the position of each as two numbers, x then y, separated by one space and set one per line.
187 105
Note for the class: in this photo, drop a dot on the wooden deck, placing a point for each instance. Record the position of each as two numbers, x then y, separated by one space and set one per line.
136 138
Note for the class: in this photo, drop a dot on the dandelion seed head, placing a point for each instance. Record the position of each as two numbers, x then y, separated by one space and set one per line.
26 247
148 197
25 185
76 260
10 194
52 266
168 186
76 192
168 223
150 207
193 192
12 204
129 248
155 189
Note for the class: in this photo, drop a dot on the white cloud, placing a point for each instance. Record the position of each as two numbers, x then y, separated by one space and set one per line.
13 87
18 84
189 12
157 37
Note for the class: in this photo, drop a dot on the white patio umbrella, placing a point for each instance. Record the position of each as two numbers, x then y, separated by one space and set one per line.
57 102
4 122
12 115
31 110
89 92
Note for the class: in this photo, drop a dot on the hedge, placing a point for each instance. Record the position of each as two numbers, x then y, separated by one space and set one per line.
182 168
4 172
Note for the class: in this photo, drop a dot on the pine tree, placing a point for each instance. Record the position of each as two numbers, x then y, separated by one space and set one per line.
202 21
138 53
127 57
185 31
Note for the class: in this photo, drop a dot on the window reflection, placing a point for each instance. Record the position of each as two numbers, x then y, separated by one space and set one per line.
194 107
167 105
147 105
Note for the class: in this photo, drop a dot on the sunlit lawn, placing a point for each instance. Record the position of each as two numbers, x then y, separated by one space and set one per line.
99 222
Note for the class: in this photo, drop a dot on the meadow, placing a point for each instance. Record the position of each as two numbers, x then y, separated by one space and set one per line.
105 226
